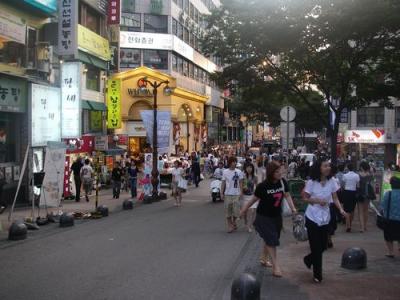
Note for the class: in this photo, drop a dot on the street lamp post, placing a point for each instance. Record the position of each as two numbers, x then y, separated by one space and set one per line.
154 173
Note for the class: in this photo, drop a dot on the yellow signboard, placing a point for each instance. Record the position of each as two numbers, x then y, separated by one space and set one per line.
93 43
114 103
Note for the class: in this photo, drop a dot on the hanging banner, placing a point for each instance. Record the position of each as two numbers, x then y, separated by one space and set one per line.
92 43
53 182
70 100
163 128
46 115
67 27
114 12
114 103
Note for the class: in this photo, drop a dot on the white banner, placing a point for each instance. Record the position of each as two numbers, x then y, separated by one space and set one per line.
46 115
372 136
67 27
53 178
135 129
70 100
163 127
145 40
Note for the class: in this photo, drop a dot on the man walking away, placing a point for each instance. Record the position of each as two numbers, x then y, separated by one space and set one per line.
116 176
76 170
231 191
87 178
133 178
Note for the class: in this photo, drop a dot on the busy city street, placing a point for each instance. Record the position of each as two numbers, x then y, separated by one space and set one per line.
199 149
159 251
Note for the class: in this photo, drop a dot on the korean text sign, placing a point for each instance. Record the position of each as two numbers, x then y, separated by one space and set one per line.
67 27
114 103
46 115
70 100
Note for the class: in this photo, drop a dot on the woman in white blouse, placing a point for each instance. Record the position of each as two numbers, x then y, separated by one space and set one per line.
320 190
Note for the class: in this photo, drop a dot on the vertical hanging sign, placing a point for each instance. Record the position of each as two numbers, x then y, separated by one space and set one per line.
114 12
114 103
70 100
67 27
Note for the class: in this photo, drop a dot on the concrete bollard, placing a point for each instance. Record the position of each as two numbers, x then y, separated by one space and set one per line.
67 220
354 258
17 231
127 204
103 210
246 287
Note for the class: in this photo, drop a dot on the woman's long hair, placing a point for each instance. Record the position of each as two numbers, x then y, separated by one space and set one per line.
271 169
315 171
252 173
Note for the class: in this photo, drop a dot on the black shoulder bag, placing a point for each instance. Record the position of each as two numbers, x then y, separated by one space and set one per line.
382 221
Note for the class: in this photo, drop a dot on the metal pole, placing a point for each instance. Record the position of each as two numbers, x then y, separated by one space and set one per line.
154 172
287 130
188 133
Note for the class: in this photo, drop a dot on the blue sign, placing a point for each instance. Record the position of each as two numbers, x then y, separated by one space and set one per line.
49 6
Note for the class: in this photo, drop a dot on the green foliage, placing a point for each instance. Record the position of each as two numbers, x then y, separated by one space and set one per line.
347 50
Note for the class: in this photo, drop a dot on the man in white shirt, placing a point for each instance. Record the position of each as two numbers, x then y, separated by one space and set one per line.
87 178
351 181
231 191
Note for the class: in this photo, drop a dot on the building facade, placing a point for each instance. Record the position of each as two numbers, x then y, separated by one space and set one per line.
164 36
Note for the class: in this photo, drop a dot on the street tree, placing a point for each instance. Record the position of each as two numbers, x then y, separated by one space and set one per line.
346 50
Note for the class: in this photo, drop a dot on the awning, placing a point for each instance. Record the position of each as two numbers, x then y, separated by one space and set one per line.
93 105
92 60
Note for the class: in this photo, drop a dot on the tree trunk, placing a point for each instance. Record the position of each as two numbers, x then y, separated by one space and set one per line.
334 134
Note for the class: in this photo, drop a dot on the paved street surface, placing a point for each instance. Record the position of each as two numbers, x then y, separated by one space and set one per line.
158 251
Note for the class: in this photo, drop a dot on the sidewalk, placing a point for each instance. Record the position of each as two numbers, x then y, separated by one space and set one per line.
378 281
105 198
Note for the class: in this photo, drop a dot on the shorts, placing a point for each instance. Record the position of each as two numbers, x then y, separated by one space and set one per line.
247 198
232 206
87 185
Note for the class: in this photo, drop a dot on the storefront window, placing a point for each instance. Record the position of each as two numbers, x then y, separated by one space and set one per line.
370 117
92 78
129 58
155 23
7 137
130 21
156 59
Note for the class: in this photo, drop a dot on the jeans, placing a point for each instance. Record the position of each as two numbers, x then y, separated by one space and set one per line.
116 188
196 178
78 184
133 187
318 240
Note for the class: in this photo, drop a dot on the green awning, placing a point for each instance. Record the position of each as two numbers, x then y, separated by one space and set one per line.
93 105
92 60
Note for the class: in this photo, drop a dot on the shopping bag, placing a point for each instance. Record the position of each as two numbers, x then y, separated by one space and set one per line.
286 210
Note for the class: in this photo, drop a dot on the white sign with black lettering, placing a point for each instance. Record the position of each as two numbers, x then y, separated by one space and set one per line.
70 100
46 115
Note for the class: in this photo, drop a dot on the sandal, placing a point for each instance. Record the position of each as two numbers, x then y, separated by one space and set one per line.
265 263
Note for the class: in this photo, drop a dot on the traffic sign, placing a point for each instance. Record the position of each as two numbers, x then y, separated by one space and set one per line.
288 113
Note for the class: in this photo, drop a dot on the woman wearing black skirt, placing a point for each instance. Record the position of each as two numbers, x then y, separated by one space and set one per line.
268 223
319 192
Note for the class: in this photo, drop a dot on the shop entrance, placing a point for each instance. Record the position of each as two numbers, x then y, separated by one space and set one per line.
137 145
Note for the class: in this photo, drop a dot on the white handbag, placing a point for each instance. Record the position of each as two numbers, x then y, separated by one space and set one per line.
286 210
182 184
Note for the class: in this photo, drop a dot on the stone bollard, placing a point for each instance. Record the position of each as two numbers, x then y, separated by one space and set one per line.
17 231
103 210
127 204
67 220
354 258
245 287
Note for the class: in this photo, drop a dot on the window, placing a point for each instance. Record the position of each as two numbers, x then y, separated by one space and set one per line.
186 35
155 23
370 116
174 60
174 27
31 48
191 10
156 59
92 78
92 20
185 68
13 53
95 121
128 6
344 116
180 31
191 70
130 22
186 6
180 64
196 73
8 134
180 3
129 58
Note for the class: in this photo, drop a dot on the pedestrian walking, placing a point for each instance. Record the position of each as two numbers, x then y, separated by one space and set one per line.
231 191
133 172
249 183
292 168
268 223
76 171
319 192
351 182
390 207
87 178
260 170
177 180
365 195
116 177
195 169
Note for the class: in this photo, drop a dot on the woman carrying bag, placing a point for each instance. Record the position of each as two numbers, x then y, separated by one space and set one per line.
390 223
319 192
